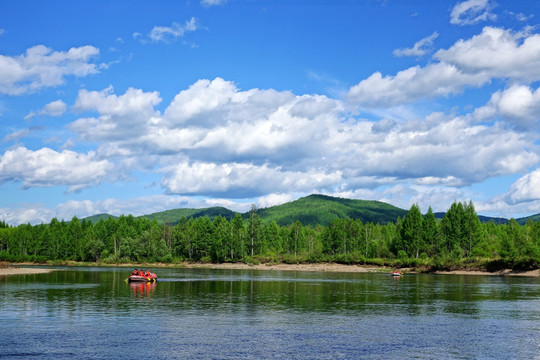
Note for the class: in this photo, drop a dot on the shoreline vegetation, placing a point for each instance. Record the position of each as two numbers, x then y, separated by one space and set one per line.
27 268
457 242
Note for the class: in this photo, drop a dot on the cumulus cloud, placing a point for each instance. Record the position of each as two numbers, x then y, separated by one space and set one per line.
412 84
420 48
214 138
470 12
55 108
46 168
525 189
497 53
41 67
450 152
519 105
241 179
273 200
121 117
215 102
26 214
493 54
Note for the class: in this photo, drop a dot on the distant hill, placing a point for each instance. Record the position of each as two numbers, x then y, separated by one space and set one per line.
322 209
309 210
523 220
173 216
96 218
484 219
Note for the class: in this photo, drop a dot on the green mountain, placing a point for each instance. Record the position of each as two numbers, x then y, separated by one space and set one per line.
322 209
96 218
309 210
523 220
173 216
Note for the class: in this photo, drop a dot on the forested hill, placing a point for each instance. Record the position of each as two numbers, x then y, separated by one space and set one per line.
322 209
173 216
310 210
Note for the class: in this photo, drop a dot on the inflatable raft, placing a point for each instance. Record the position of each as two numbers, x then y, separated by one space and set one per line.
142 278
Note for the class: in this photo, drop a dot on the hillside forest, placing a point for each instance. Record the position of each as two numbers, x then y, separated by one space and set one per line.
459 239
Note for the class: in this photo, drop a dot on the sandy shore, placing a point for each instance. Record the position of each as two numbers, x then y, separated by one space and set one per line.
505 272
353 268
327 267
22 271
290 267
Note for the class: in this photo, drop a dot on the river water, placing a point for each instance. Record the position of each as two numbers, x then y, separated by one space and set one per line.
92 313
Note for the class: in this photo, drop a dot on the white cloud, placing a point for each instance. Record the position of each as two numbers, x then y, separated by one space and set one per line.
525 189
55 108
471 12
42 67
241 179
420 48
214 139
412 84
497 53
46 168
26 214
208 3
165 34
38 213
122 117
435 151
273 200
493 54
519 105
16 135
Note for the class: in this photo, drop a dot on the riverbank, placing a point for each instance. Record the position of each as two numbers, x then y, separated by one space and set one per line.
333 267
22 271
319 267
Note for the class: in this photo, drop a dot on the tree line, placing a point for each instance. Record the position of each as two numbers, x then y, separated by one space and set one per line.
459 237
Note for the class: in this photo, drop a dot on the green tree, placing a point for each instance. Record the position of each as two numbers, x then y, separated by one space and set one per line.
411 232
452 229
430 232
254 227
471 230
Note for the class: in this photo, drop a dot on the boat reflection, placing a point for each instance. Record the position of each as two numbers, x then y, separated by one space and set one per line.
143 288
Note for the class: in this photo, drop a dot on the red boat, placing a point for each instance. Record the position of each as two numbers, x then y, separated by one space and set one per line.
146 277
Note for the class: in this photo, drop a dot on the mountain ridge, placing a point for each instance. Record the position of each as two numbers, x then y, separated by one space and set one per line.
309 210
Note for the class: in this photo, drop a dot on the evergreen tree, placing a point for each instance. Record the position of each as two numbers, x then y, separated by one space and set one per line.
471 230
254 228
452 229
430 232
411 232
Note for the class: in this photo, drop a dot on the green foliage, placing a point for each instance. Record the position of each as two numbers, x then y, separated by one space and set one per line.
321 209
459 239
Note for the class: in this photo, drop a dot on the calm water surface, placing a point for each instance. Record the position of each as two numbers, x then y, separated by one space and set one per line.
92 313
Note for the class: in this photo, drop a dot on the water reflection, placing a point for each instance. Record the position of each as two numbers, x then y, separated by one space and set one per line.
142 289
257 314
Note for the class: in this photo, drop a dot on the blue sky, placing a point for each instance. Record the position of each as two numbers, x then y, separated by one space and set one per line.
133 108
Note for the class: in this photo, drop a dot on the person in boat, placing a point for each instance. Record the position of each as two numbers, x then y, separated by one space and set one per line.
147 273
135 272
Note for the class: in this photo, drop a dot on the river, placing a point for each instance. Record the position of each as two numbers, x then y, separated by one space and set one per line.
92 313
